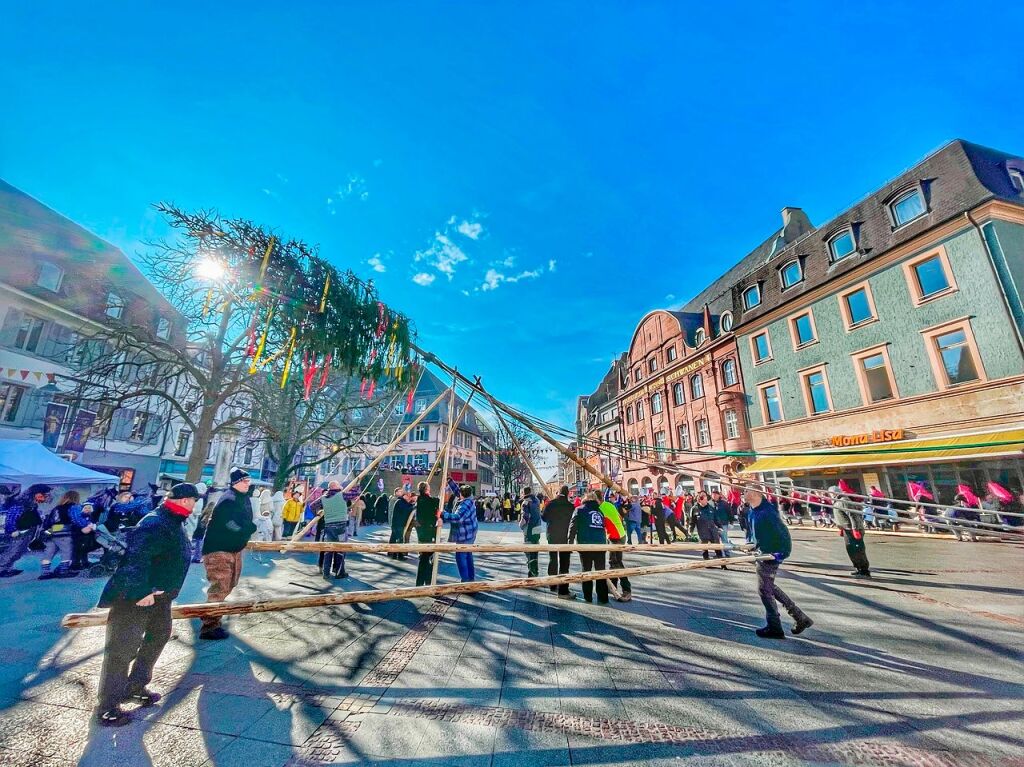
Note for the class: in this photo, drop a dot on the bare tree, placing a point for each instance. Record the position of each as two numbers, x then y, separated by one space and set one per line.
253 309
509 467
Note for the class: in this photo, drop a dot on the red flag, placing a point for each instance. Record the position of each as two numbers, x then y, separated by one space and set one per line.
408 400
845 488
1000 492
918 492
968 495
874 492
369 394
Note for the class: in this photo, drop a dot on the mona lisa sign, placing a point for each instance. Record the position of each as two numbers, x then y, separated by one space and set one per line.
867 438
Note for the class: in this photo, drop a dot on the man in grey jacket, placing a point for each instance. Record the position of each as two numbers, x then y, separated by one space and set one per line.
851 526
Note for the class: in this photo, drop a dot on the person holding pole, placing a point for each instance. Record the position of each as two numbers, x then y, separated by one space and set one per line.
529 523
616 532
335 516
557 515
851 527
404 507
139 595
587 527
464 528
771 536
426 531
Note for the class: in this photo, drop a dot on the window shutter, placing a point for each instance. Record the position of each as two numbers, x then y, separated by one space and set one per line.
12 321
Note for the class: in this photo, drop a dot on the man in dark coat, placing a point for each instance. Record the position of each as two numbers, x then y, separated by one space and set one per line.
22 522
426 531
587 526
557 515
706 521
767 530
228 532
529 523
380 509
139 596
404 507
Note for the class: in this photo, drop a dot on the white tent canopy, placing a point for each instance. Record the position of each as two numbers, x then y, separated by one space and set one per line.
24 463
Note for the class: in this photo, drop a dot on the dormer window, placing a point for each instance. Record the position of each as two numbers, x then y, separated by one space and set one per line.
791 274
115 306
1017 179
841 245
726 322
907 207
751 296
699 337
50 276
163 328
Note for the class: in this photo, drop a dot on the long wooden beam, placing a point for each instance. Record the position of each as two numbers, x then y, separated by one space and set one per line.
210 609
358 547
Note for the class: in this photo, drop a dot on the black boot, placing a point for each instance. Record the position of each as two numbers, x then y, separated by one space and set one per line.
771 632
803 622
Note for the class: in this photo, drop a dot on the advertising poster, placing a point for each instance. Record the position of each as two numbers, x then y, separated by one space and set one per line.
81 429
53 423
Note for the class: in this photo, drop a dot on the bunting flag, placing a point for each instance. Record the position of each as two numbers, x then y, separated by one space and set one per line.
288 359
36 374
1000 492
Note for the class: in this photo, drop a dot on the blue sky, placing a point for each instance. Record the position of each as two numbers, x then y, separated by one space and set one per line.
525 180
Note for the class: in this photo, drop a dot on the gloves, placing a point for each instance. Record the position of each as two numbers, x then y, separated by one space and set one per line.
857 534
841 531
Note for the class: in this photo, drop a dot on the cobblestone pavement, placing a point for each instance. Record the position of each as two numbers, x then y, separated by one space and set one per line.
920 666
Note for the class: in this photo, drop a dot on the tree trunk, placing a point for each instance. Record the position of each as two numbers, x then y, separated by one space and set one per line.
200 446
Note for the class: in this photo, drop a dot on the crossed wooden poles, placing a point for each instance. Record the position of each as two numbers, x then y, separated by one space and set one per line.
210 609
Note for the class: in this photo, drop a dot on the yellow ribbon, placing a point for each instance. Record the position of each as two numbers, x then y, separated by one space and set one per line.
263 340
288 359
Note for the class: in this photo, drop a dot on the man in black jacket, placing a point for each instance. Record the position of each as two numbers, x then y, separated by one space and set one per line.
139 596
229 531
404 507
426 531
557 515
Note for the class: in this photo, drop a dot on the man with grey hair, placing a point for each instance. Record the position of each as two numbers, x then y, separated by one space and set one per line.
851 526
769 533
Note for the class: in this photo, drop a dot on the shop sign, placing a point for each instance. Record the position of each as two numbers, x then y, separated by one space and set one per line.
656 384
867 438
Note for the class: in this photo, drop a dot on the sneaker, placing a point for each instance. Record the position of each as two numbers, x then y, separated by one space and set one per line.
115 717
627 597
214 634
570 596
768 632
144 697
10 573
859 574
802 623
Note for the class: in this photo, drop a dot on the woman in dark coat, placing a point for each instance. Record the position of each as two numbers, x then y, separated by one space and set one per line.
708 529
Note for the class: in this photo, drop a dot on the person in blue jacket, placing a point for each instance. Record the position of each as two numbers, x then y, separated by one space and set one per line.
464 528
769 533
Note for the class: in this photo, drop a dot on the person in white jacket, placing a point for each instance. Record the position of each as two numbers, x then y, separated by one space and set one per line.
197 511
262 515
277 518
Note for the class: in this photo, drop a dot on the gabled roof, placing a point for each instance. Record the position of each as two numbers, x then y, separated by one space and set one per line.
429 387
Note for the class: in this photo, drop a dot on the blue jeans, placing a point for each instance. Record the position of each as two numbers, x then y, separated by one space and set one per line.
464 561
634 527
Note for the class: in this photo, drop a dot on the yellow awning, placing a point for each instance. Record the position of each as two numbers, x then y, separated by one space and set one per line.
993 444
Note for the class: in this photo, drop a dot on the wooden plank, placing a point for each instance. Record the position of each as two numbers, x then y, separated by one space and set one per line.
183 612
358 547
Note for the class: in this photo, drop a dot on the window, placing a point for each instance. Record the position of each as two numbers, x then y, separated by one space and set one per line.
802 329
703 433
633 452
10 401
841 245
1017 179
629 414
684 436
857 306
139 423
640 410
184 437
638 374
751 296
247 455
678 395
659 443
762 347
954 354
104 414
422 434
115 306
697 387
50 276
929 276
28 334
874 374
729 375
791 274
726 322
907 207
656 405
771 403
163 328
732 424
652 364
643 447
670 354
420 404
817 398
699 337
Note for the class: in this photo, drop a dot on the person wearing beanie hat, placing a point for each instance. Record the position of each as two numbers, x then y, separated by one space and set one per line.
851 527
21 525
139 596
228 532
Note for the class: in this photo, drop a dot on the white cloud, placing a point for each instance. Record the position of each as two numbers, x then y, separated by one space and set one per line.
443 254
508 261
551 264
423 278
472 230
670 297
494 278
282 178
352 189
377 263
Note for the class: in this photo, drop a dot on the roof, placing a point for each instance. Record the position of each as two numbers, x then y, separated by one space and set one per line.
954 179
31 232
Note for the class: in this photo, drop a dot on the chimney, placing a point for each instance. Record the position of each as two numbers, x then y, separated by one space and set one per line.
794 223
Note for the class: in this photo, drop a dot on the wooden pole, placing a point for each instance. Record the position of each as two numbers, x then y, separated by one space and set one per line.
519 448
210 609
442 453
370 467
452 428
358 547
